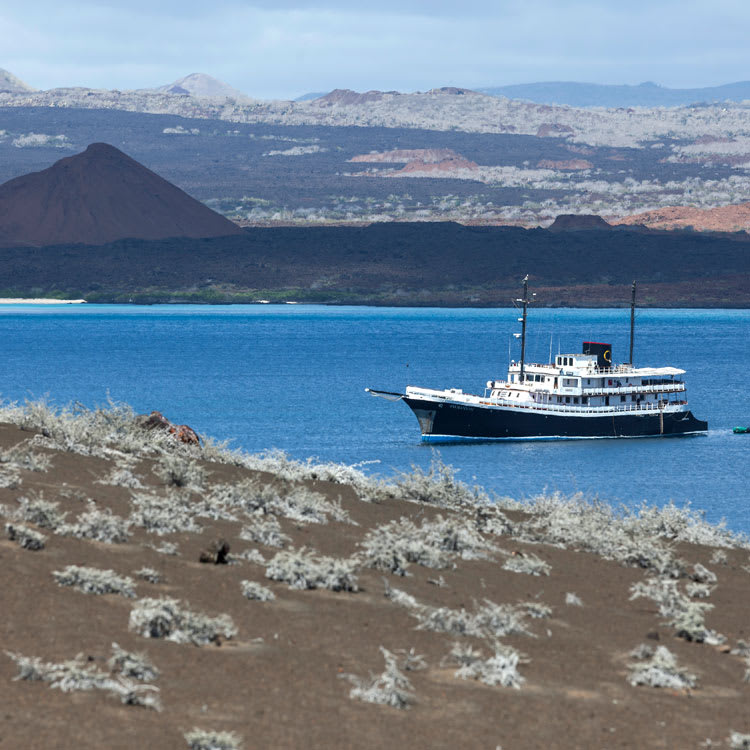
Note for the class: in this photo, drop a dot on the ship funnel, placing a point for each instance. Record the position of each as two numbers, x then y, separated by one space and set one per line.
603 352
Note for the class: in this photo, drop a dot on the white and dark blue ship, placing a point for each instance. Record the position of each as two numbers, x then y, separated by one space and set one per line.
579 395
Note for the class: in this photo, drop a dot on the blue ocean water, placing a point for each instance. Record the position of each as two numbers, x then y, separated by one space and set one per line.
293 377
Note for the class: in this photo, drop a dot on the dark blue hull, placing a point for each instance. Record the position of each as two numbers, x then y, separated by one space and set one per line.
449 421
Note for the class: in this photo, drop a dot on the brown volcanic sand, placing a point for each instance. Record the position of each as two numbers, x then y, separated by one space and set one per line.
286 691
99 196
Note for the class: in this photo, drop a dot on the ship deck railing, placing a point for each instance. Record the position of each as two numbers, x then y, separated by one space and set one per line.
584 408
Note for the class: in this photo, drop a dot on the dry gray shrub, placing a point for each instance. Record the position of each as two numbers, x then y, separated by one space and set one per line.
595 527
164 548
661 670
22 457
264 530
390 688
257 592
305 569
702 575
698 590
741 649
131 664
203 739
111 430
719 557
10 479
527 563
253 556
572 600
487 620
746 676
686 616
95 580
122 476
179 470
642 651
168 514
410 660
78 674
434 544
500 669
283 499
169 619
25 537
535 610
150 574
43 513
437 486
99 525
739 741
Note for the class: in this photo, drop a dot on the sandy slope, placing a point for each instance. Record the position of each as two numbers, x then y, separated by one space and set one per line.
278 683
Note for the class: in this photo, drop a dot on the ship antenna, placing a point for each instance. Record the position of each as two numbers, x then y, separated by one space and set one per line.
525 301
632 323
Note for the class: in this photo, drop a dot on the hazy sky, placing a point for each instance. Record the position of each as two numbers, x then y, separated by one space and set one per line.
288 47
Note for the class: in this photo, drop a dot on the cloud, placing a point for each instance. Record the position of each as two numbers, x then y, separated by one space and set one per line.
287 47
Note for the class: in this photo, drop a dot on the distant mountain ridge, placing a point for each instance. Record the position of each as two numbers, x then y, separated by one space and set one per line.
100 196
646 94
11 84
201 85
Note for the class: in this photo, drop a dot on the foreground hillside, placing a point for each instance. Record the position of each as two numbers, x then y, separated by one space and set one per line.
260 602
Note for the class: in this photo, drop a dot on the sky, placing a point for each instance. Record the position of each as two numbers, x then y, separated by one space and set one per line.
286 48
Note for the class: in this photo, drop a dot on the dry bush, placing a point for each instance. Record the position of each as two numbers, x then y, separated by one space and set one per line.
253 556
168 514
169 619
179 470
99 525
122 475
500 669
283 499
257 592
130 664
150 575
434 544
23 457
686 616
739 741
487 620
43 513
203 739
305 569
698 590
95 580
436 486
78 674
702 575
10 479
25 537
164 548
572 600
264 530
719 557
527 563
661 670
390 688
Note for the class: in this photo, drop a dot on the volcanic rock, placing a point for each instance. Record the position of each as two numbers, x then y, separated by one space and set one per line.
404 155
100 196
9 84
202 86
564 164
575 222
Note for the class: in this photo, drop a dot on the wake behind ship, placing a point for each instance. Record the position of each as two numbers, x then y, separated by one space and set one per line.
579 395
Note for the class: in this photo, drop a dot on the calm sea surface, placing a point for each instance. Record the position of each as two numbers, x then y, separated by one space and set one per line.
293 377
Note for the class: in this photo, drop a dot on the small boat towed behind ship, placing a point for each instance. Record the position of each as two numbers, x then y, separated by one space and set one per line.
576 396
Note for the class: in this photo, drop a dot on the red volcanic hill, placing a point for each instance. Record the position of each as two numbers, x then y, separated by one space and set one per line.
99 196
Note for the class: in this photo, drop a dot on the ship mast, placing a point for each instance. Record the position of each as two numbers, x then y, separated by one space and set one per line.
525 302
632 323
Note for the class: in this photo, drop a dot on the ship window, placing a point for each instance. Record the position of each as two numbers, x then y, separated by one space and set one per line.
575 399
632 398
584 399
623 398
567 399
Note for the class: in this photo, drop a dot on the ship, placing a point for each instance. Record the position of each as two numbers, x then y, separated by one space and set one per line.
574 396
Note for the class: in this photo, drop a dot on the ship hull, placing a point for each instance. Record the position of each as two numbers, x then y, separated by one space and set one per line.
446 421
